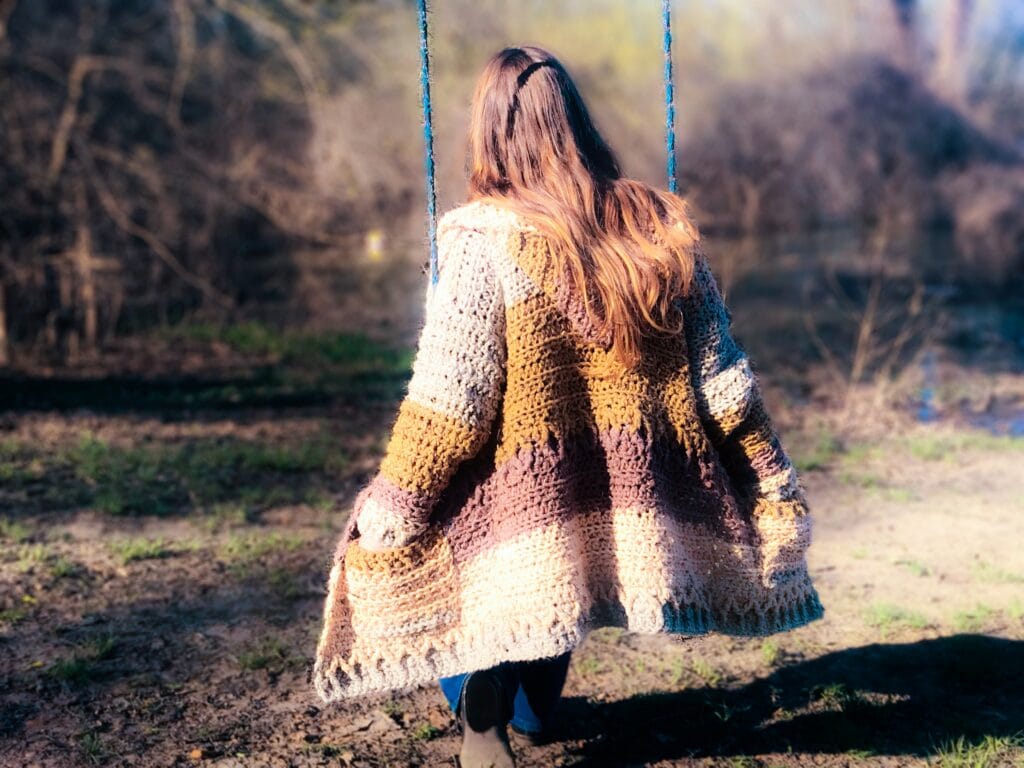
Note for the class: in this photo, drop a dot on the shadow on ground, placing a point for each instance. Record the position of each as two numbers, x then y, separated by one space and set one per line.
877 699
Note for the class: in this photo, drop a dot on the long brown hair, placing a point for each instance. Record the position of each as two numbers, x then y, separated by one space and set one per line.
626 247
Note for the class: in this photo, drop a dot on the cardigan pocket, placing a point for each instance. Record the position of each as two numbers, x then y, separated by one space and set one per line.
402 591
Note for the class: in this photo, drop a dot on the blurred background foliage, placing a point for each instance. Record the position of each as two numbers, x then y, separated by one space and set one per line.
210 163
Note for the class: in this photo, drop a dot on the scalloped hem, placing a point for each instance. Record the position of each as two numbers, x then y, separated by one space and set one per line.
524 642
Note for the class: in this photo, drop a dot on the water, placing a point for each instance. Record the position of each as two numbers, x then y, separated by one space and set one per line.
798 304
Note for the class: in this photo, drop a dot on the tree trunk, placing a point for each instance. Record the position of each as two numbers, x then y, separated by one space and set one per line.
904 16
949 76
83 261
5 357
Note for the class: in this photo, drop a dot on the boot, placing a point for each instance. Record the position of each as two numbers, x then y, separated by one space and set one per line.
483 714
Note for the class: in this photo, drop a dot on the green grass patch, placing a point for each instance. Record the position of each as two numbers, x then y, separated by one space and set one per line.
81 667
283 583
973 619
166 478
14 530
835 696
947 446
425 732
707 674
771 653
915 567
889 616
898 495
303 364
587 666
255 339
1015 610
62 567
160 479
860 479
821 453
130 550
92 748
74 671
989 572
242 548
988 752
19 611
27 556
271 654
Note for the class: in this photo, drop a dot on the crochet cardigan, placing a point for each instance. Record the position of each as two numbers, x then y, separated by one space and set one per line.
533 489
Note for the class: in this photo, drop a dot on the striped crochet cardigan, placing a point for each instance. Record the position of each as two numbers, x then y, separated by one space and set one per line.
534 490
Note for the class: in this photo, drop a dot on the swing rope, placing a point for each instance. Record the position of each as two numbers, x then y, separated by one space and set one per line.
428 128
428 139
670 103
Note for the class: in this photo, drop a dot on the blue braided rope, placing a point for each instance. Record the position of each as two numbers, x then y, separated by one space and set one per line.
428 139
670 104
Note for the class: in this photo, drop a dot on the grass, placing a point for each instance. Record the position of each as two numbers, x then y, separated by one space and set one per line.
988 752
18 612
771 652
244 551
835 696
283 583
587 666
1015 610
992 573
915 567
167 478
74 671
270 654
62 567
80 668
356 351
130 550
29 556
821 454
674 667
92 748
860 479
887 616
707 674
425 732
14 530
948 446
898 494
974 619
722 710
298 363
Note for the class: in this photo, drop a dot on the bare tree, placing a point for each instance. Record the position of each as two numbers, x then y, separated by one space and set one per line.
949 74
905 28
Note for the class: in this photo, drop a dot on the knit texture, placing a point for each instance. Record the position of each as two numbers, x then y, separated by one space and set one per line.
533 489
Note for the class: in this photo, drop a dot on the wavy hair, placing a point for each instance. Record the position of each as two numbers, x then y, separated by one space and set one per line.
627 248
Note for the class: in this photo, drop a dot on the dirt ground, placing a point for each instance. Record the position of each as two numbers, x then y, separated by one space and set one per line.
186 637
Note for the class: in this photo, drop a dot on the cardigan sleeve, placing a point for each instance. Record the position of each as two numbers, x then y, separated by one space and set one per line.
729 398
453 396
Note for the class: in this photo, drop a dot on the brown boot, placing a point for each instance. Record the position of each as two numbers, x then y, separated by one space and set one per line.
483 716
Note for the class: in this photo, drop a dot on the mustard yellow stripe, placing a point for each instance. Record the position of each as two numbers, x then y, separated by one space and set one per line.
426 447
547 373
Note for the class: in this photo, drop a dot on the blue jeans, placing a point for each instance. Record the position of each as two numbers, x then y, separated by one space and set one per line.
537 685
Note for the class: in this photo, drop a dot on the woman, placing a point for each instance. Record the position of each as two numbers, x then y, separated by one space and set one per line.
582 444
